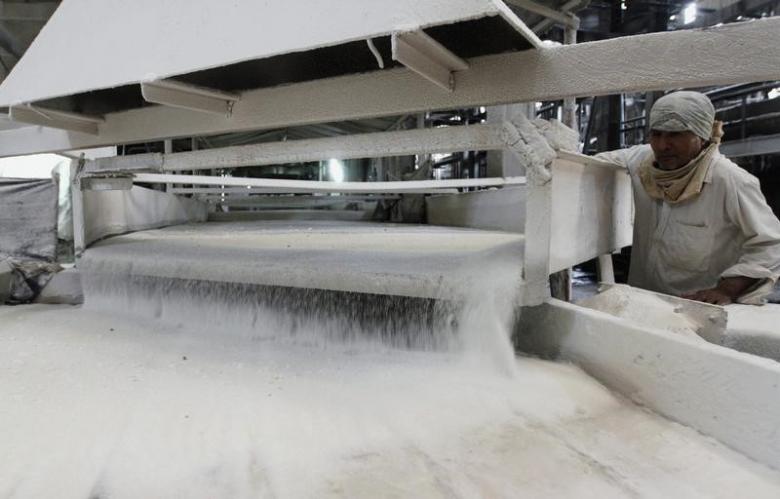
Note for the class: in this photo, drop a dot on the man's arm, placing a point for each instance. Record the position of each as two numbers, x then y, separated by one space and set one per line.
757 268
728 290
624 157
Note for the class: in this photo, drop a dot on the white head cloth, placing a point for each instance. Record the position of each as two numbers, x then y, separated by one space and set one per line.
681 111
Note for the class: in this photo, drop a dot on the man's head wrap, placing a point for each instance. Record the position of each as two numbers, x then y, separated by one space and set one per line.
681 111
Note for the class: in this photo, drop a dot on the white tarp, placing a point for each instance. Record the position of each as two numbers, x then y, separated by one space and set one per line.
96 44
108 213
44 166
28 219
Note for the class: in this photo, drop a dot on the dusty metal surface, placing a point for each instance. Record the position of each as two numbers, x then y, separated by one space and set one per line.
728 54
387 259
730 395
208 35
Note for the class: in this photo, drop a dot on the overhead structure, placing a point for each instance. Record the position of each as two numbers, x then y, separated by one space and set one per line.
562 17
217 72
167 62
516 76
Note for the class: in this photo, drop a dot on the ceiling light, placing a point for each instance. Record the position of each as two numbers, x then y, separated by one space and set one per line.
336 170
689 13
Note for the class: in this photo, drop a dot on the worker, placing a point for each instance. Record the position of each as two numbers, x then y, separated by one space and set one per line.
702 228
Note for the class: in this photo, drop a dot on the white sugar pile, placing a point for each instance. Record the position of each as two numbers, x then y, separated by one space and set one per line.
179 388
101 405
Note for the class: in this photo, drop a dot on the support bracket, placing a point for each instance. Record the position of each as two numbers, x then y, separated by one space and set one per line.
564 18
183 95
427 57
34 115
284 185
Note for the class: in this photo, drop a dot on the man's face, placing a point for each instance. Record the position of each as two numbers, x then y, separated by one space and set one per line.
674 150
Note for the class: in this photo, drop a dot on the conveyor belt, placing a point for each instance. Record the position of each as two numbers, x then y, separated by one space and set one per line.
385 259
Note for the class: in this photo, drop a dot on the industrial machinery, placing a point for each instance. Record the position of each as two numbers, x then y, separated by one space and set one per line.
148 236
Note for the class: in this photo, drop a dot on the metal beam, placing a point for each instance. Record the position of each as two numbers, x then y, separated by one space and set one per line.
182 95
563 18
569 6
753 146
239 192
245 190
316 186
52 118
276 202
427 57
252 191
509 16
732 53
367 145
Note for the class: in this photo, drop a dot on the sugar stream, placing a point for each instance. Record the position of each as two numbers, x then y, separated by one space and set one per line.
302 379
476 325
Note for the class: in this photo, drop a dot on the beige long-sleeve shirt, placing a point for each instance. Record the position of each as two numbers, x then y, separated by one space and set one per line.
728 230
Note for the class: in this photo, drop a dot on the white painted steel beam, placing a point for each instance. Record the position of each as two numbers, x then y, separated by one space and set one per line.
590 210
733 53
287 202
313 197
752 146
245 190
233 191
150 39
729 395
252 191
176 94
315 186
566 8
368 145
427 57
563 18
510 17
51 118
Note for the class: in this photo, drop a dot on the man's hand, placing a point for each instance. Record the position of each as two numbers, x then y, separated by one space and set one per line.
727 291
712 295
